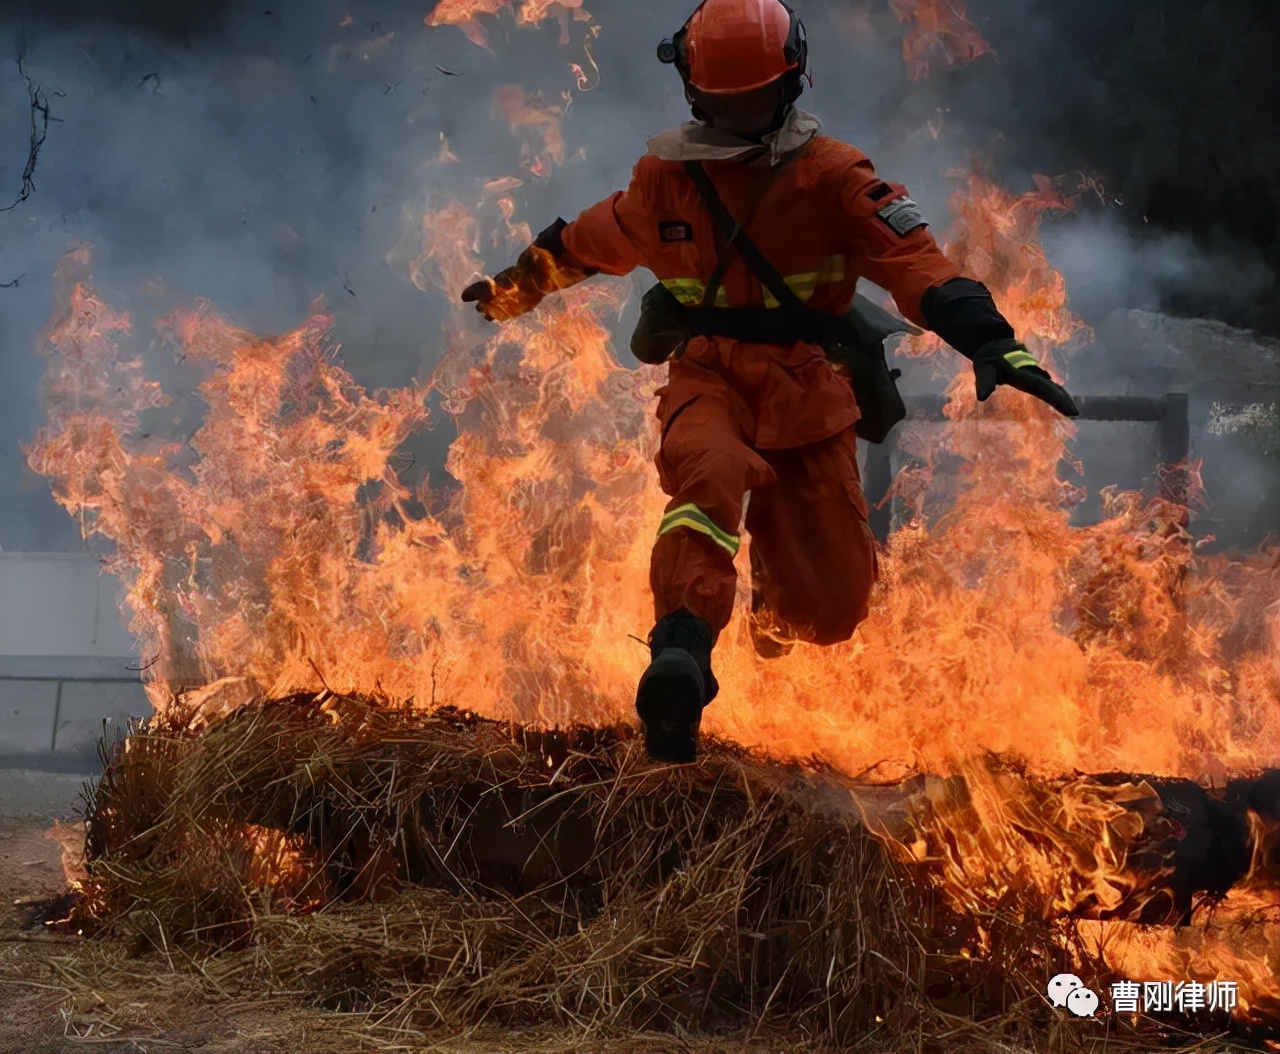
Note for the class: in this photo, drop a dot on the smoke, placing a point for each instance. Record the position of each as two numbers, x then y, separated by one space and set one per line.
263 155
1108 266
1174 109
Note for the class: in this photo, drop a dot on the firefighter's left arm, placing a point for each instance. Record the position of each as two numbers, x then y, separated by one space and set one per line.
897 252
891 241
603 239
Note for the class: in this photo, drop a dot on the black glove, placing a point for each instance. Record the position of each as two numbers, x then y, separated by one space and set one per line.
1009 362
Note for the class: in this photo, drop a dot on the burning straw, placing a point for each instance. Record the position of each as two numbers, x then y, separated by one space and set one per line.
439 872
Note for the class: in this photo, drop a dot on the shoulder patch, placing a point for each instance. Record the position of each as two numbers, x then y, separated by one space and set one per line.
903 215
674 231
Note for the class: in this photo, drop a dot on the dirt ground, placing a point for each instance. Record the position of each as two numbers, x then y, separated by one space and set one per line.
48 1007
59 994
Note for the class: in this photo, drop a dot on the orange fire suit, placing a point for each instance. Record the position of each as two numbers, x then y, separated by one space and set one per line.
775 421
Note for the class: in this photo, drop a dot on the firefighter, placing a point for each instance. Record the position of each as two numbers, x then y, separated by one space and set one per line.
770 416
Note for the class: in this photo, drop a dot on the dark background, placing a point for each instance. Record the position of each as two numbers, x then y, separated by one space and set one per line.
1176 103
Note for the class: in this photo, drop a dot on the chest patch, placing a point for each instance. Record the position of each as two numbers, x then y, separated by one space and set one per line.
903 215
675 231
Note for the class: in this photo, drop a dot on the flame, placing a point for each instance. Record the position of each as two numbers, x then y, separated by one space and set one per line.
437 263
462 13
70 840
579 74
1010 629
446 155
281 549
940 35
1096 860
284 867
540 125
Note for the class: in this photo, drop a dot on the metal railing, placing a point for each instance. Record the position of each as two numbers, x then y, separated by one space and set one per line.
1168 412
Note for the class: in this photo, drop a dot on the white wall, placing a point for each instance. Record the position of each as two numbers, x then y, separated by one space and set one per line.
59 604
65 658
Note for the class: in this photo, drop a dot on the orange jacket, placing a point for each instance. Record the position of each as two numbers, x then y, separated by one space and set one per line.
817 221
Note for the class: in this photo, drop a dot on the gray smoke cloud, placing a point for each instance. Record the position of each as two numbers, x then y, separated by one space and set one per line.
279 152
1108 266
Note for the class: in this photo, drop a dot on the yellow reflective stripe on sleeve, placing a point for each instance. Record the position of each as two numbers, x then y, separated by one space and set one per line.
686 290
694 518
803 285
1019 359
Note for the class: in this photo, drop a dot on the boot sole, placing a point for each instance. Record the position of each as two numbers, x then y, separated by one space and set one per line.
669 701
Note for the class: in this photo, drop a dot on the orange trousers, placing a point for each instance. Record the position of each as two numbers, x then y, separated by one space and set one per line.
812 554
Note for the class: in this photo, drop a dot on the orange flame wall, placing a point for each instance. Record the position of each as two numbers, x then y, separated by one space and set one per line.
288 550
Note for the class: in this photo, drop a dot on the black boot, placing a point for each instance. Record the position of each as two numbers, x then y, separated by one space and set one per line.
676 686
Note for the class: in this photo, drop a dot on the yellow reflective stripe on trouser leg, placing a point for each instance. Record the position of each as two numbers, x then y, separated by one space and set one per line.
693 517
1018 359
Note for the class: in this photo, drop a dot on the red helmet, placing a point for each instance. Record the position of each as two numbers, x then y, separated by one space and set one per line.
730 46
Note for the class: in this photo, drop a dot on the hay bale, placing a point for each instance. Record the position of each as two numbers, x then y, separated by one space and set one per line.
469 872
437 872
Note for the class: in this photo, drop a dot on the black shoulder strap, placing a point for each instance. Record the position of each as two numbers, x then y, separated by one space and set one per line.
733 234
713 283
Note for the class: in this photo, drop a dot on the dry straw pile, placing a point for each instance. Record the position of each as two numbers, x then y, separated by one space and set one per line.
438 873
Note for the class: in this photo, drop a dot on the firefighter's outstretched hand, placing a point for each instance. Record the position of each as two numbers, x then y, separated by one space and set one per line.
484 295
1009 362
501 297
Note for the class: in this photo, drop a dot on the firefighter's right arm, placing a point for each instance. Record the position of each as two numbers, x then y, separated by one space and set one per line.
605 239
541 269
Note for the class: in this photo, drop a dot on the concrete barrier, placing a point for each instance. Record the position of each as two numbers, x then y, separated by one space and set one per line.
68 673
